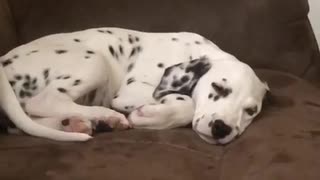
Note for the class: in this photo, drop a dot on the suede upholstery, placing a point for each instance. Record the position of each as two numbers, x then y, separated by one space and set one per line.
274 37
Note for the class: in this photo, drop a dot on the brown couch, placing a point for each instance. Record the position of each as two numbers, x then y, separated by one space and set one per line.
274 36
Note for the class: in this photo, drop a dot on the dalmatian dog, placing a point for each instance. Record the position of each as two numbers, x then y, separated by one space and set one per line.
65 86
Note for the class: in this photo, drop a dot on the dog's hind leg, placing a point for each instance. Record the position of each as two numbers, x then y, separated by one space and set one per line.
174 110
57 98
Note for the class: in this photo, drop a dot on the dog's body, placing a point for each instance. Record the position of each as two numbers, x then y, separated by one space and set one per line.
157 78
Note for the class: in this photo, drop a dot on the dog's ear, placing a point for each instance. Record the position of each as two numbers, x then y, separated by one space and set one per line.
182 78
266 86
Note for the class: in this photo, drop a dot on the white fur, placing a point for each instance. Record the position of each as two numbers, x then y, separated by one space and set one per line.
108 74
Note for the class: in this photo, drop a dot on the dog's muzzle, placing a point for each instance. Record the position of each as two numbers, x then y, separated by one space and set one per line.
219 129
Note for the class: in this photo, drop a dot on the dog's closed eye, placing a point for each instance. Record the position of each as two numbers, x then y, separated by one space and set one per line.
251 110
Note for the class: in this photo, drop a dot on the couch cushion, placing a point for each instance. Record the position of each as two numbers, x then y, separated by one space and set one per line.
267 33
135 154
283 143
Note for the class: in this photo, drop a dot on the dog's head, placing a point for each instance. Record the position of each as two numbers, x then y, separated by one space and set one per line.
227 93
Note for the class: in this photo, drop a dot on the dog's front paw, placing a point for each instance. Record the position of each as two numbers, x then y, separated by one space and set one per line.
115 121
148 116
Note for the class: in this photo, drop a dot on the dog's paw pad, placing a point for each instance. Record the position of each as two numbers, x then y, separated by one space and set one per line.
75 124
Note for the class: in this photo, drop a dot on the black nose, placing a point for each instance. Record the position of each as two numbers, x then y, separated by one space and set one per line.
220 130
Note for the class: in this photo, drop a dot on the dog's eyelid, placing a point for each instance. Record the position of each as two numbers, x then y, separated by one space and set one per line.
251 110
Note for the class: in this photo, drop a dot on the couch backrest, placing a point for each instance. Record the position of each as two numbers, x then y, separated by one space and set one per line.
272 34
8 38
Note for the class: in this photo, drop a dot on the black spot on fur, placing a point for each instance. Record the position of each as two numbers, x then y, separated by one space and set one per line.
34 87
61 51
104 31
15 56
197 42
139 48
66 77
27 77
137 39
26 85
130 80
77 82
163 101
32 52
76 40
6 62
111 50
130 67
198 67
176 84
130 39
34 81
160 65
216 98
220 90
62 90
121 49
18 77
46 73
116 96
174 39
210 96
224 79
251 111
90 52
12 83
87 57
180 98
133 52
185 79
22 94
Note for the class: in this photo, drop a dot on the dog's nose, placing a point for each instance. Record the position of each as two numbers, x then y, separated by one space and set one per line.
219 129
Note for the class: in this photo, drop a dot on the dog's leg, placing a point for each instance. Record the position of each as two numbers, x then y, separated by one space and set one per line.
53 103
57 98
172 111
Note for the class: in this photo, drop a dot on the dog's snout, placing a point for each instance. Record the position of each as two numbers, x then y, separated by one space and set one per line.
219 129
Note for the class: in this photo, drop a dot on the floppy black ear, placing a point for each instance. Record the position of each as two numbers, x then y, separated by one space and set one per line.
182 78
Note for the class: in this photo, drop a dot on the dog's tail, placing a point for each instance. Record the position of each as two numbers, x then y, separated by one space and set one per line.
11 106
